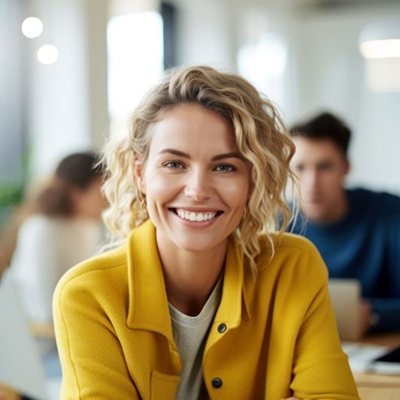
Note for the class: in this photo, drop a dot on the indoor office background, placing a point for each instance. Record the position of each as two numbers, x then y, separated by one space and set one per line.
304 55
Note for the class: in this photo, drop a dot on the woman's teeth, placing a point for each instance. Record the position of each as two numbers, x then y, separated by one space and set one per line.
195 216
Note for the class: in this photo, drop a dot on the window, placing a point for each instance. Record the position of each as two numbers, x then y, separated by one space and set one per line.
135 61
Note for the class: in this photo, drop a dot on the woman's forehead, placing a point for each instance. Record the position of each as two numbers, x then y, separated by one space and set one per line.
191 125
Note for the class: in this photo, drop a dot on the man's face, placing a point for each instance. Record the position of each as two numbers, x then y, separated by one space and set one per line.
321 168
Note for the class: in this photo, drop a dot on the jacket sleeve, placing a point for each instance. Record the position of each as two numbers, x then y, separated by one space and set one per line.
92 360
320 368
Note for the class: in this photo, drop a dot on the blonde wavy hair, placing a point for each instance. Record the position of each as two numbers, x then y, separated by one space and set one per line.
261 139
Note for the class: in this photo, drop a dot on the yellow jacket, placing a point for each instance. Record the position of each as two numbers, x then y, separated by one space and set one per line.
115 336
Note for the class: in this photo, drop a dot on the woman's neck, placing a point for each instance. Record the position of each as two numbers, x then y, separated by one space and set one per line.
190 276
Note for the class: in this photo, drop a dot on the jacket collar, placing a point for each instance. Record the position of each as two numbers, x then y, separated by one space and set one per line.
234 296
148 303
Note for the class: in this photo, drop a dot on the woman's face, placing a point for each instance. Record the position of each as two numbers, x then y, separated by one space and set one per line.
89 202
195 181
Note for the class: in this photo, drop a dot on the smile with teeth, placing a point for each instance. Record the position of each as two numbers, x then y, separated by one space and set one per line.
196 216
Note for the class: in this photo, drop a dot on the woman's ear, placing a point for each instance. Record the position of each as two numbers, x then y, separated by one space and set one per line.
139 175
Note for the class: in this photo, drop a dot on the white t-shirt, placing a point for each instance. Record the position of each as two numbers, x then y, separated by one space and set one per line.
190 334
46 248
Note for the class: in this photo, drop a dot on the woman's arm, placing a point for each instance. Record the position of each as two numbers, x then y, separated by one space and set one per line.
92 359
319 367
319 362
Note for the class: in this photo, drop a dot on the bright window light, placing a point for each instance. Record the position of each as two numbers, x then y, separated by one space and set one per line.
48 54
32 27
263 63
135 60
388 48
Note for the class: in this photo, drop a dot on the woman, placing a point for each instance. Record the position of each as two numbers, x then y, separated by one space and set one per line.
63 230
201 300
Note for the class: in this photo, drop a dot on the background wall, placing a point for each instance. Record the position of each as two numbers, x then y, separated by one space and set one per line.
320 68
68 99
324 68
12 99
332 75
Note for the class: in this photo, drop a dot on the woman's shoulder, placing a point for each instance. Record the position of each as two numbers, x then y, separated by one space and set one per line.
287 243
37 222
101 273
45 225
36 230
294 242
293 254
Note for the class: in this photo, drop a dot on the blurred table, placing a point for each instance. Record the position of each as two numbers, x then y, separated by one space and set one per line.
376 386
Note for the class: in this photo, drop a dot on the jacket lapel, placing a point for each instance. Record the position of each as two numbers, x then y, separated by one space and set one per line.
148 304
233 293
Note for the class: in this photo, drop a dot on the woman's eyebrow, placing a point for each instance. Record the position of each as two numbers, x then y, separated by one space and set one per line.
179 153
233 154
174 152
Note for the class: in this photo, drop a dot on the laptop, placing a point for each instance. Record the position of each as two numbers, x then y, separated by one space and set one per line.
346 296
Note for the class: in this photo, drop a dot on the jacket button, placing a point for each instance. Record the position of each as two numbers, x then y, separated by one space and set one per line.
221 328
217 383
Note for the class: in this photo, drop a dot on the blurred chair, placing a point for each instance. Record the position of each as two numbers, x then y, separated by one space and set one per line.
20 364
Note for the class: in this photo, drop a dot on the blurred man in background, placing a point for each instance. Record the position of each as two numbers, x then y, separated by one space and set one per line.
357 231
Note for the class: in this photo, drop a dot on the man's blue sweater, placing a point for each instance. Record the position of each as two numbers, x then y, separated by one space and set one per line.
365 245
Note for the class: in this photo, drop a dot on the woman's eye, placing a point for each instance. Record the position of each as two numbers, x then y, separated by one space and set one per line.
225 168
173 164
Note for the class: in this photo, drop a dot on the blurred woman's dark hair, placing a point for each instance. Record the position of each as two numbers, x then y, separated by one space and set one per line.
76 171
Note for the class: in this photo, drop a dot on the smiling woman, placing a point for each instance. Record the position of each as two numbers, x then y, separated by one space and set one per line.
196 184
202 299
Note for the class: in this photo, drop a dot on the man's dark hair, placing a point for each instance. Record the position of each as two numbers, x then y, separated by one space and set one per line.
324 126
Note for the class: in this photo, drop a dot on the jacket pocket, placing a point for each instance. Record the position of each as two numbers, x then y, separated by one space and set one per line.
163 386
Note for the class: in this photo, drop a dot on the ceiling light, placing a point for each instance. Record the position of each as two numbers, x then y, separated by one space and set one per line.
381 39
388 48
48 54
32 27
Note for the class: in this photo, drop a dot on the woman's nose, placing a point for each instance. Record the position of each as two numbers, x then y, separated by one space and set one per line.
198 186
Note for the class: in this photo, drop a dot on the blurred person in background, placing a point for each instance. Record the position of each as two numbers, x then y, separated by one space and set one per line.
63 229
356 230
15 218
